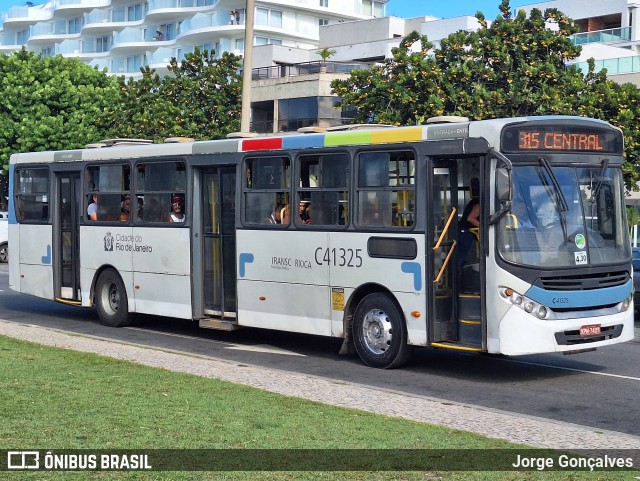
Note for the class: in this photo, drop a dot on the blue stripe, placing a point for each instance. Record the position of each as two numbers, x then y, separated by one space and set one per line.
572 299
303 141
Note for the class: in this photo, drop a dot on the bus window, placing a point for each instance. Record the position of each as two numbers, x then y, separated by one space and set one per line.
157 183
32 194
108 186
386 189
323 190
266 189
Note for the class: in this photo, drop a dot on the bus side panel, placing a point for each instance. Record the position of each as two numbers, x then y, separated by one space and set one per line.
36 267
352 264
162 271
102 245
280 283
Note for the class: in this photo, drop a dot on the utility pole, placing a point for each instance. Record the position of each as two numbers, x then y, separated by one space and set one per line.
246 65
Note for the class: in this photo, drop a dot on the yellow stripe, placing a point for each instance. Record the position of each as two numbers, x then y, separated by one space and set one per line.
388 136
474 323
459 348
469 296
67 301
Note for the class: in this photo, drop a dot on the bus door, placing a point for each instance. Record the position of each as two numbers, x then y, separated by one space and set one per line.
219 243
66 233
441 248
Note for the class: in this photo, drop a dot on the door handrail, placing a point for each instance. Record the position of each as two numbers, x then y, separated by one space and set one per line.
445 263
445 230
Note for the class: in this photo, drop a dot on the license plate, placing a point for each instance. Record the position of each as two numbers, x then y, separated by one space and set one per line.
592 330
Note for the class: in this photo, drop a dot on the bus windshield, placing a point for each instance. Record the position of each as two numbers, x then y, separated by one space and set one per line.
581 224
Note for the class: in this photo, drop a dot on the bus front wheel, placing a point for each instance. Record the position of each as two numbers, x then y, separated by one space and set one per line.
111 300
379 333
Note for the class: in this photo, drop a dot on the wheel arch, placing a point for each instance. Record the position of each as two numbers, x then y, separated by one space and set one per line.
94 281
360 293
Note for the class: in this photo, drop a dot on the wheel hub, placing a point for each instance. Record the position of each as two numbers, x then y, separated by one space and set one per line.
377 331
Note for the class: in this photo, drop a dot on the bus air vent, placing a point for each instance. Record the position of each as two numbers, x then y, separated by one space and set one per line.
583 282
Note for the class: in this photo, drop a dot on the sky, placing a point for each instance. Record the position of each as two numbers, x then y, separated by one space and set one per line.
447 9
402 8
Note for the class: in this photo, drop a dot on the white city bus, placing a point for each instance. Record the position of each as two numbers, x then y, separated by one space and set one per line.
369 248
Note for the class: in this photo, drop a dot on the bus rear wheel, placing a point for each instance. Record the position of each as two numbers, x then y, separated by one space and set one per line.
379 333
111 300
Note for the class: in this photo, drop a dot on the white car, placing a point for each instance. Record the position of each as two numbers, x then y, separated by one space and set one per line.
4 237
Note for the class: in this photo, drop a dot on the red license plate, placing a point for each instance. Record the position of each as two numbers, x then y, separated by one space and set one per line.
592 330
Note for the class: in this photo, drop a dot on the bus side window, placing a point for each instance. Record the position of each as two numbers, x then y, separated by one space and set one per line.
266 189
386 189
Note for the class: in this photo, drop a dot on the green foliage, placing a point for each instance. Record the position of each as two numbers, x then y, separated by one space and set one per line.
516 66
50 103
326 53
200 99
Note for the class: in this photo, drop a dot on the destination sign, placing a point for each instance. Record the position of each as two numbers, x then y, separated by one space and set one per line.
570 139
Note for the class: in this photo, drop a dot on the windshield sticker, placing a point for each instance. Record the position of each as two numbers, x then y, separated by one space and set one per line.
581 257
580 241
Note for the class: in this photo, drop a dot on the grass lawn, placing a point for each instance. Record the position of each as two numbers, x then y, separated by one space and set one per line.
60 399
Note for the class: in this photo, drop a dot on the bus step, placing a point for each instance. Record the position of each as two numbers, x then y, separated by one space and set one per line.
470 332
219 324
469 307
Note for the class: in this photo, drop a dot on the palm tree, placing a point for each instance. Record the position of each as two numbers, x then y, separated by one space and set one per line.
325 53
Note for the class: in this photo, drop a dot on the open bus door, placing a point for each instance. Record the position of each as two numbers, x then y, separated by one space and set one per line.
456 299
68 199
442 245
218 249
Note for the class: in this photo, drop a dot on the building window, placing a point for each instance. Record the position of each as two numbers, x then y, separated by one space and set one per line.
240 44
268 18
134 12
32 194
74 25
47 52
266 190
386 189
324 3
22 37
134 63
103 44
323 21
323 195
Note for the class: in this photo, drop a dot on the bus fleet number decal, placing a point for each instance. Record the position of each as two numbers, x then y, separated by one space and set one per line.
340 257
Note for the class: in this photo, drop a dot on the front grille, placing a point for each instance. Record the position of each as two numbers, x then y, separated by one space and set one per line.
583 282
569 338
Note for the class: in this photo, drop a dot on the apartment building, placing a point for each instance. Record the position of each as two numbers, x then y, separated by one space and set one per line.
124 35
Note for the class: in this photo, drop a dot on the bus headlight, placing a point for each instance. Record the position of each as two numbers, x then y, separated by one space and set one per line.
626 303
524 303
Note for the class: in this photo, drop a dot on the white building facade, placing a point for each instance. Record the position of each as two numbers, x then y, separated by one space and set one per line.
125 35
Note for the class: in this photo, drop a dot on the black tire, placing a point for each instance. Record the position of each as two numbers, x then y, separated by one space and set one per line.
379 333
111 300
4 252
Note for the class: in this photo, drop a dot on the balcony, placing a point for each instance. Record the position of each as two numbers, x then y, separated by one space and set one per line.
17 16
614 66
279 71
612 35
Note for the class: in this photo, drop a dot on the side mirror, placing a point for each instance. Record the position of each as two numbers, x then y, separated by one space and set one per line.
503 184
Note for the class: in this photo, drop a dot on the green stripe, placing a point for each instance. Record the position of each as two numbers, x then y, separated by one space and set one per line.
347 138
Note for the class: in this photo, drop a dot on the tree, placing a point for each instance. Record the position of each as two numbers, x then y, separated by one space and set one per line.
49 103
516 66
199 99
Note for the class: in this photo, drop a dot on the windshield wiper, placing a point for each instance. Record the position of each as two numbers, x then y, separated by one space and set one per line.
596 191
561 200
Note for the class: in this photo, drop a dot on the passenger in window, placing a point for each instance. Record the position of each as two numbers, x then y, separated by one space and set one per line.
177 209
92 209
125 208
303 210
140 208
274 218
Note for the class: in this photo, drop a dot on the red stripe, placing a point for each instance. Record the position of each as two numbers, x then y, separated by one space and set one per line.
262 144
